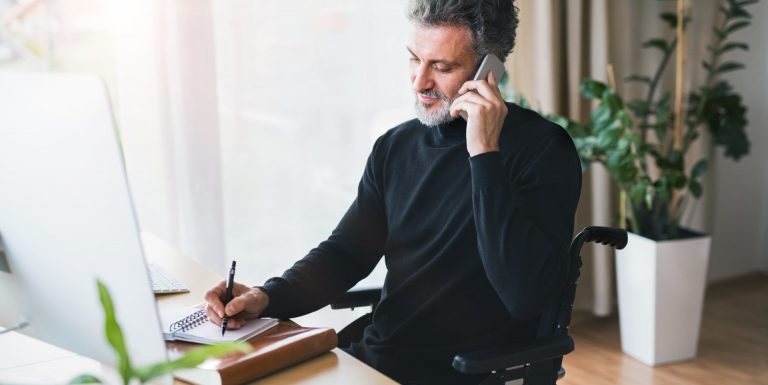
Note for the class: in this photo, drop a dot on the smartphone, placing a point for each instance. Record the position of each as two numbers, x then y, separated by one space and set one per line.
490 63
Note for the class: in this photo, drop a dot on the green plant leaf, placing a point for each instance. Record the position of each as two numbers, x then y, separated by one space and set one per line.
592 89
729 66
622 116
638 78
699 169
739 12
679 181
192 358
115 333
613 101
706 66
695 188
670 18
743 3
639 107
719 33
600 118
575 129
649 196
657 43
737 26
733 45
85 379
725 10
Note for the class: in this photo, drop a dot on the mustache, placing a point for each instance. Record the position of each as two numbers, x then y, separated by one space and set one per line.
433 93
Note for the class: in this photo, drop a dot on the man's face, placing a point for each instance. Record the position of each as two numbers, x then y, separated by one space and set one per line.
442 59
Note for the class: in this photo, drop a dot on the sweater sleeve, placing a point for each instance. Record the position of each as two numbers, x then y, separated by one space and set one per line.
524 223
338 263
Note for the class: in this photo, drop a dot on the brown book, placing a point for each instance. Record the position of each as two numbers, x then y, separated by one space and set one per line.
277 348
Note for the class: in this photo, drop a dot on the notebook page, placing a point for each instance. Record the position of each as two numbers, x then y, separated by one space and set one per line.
209 333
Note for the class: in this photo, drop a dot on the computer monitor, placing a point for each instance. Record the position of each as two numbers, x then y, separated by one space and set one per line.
66 219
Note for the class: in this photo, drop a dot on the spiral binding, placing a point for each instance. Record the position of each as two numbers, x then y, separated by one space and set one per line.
190 322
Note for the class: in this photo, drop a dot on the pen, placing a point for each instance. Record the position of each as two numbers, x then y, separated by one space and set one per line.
228 296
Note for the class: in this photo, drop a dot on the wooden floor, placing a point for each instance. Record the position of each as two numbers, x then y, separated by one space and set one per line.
733 348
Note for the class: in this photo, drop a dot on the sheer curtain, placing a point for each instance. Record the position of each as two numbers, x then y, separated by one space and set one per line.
304 88
167 111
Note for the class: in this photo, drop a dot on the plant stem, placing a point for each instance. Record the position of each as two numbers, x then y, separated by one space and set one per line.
651 91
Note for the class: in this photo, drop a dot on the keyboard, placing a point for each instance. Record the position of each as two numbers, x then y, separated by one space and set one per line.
164 283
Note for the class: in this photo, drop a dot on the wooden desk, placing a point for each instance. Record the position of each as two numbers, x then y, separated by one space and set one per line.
24 360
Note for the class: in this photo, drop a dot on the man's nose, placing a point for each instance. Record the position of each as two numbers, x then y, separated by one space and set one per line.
422 79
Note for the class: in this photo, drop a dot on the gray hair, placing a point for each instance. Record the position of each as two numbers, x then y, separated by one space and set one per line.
491 22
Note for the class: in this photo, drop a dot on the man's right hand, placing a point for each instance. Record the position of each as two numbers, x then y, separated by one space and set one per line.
247 303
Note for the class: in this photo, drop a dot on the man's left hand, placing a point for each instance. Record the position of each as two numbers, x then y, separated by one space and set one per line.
485 108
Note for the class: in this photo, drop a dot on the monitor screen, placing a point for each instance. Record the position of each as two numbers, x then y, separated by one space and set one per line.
67 219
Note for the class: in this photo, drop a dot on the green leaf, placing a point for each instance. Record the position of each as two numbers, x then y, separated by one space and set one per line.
699 169
592 89
746 2
657 43
737 26
696 189
649 197
600 118
729 66
623 117
576 130
613 101
738 12
638 78
639 107
670 18
114 333
679 181
719 33
192 358
706 66
731 46
637 191
85 379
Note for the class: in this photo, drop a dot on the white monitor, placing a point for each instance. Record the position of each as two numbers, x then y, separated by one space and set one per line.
66 219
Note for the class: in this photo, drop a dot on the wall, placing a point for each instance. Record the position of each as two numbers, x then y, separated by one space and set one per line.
740 194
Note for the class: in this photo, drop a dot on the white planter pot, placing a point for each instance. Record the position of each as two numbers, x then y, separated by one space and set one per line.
661 292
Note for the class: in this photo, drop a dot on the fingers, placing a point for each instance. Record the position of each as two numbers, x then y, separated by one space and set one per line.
485 88
212 316
472 103
492 79
232 322
213 298
236 305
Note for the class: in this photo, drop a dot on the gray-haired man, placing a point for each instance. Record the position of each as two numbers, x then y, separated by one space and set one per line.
473 217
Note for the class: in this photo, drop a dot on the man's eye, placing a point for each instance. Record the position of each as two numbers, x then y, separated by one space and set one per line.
443 69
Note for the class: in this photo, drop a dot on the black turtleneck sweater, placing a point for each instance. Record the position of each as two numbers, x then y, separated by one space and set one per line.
474 247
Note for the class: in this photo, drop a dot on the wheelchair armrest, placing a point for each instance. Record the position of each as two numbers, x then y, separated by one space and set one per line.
486 361
357 298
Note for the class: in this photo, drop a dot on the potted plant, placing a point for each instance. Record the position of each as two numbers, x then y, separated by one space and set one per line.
662 272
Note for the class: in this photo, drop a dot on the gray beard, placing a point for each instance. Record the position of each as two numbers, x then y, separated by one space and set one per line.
434 118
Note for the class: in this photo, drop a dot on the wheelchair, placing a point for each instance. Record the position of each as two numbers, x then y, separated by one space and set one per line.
538 362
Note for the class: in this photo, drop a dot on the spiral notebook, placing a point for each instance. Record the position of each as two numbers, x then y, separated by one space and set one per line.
193 326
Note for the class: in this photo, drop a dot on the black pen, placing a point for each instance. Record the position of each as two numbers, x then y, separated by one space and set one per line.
228 296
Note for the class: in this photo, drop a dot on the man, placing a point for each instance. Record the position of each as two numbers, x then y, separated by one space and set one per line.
473 217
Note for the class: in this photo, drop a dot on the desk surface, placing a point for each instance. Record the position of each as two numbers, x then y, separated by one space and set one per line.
24 360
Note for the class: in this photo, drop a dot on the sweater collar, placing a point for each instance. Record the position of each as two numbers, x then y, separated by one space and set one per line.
456 128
